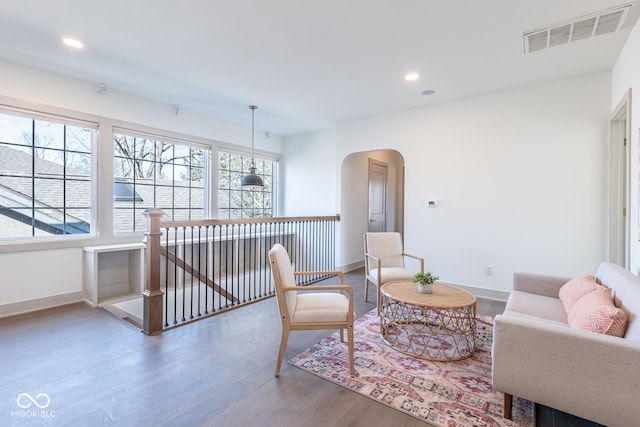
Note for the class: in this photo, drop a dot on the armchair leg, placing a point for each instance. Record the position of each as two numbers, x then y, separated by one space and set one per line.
366 290
283 347
508 402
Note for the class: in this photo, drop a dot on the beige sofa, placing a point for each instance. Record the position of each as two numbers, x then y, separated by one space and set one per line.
537 356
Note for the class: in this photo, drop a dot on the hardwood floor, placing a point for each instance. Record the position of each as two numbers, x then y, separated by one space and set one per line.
99 370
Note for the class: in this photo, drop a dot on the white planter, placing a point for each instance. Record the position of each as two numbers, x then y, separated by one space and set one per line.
425 289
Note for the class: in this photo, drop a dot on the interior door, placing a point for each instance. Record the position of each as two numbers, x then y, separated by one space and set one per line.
377 196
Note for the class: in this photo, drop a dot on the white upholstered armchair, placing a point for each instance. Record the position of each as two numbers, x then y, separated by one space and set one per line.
304 308
384 261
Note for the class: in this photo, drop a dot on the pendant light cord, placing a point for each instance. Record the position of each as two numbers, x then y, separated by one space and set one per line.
253 154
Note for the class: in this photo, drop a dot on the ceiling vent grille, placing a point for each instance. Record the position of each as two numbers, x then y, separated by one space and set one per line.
584 27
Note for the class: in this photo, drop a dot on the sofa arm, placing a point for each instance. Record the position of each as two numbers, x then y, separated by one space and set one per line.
590 375
539 284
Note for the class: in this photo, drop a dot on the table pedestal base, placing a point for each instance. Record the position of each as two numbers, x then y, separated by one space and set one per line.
432 333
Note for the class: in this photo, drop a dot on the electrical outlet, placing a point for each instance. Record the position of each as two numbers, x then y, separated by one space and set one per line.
488 269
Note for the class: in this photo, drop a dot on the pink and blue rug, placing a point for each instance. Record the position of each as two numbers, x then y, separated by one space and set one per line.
447 394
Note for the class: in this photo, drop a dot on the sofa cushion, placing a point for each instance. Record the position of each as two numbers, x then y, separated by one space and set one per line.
626 294
536 305
617 279
575 289
537 319
391 274
630 304
595 312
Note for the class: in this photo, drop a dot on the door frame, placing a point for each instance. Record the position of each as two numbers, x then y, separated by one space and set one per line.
618 243
385 189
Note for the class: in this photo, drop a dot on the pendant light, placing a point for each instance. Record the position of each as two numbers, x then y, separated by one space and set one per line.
252 180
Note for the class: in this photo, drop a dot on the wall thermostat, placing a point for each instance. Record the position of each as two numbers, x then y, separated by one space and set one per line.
432 203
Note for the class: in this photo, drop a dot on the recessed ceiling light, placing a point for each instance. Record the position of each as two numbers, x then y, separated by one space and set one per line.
411 77
428 92
74 43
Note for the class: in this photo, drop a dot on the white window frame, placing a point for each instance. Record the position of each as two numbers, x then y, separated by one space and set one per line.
65 118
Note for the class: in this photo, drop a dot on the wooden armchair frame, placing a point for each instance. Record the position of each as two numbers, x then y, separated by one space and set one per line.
289 325
377 279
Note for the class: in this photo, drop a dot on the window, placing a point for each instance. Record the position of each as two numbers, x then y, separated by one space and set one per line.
234 201
45 176
150 172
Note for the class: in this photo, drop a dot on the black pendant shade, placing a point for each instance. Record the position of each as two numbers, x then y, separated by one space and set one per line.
252 180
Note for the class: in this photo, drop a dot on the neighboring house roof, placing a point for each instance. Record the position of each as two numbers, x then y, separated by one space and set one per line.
46 212
171 197
22 208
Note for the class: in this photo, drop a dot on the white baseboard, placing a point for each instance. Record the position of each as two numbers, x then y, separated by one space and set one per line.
350 267
485 293
28 306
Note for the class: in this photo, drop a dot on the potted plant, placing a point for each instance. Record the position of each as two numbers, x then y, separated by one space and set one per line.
425 282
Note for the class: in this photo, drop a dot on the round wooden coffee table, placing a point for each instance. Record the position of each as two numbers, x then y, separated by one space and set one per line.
437 326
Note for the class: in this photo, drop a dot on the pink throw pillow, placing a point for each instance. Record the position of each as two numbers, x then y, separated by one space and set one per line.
575 289
596 312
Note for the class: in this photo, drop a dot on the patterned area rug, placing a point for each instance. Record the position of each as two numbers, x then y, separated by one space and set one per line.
448 394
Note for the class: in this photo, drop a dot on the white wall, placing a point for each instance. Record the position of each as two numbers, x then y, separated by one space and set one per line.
37 279
519 174
34 278
39 87
624 76
310 174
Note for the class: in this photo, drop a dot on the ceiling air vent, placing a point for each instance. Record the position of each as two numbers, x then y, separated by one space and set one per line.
584 27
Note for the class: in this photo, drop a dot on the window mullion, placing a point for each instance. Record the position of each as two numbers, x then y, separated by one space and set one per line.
64 179
33 177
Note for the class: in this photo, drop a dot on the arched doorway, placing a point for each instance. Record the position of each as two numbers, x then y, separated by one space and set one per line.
355 198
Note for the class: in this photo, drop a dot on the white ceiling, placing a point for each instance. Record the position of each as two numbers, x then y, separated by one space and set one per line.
307 65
